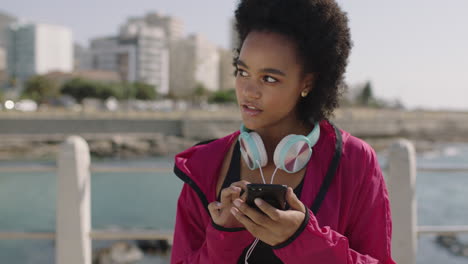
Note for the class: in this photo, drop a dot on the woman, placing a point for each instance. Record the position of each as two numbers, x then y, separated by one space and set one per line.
289 74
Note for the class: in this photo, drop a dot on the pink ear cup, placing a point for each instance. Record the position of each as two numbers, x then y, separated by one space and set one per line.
297 161
292 153
279 147
252 150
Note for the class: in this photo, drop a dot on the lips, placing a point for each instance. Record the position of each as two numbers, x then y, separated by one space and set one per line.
251 109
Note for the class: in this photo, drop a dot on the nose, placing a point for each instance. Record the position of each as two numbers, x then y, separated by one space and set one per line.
250 89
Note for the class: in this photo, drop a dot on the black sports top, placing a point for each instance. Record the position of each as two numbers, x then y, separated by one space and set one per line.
262 253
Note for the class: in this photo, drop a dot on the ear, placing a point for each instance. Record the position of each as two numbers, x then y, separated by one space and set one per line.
309 81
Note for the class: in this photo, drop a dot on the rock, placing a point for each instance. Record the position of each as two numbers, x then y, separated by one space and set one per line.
101 148
153 246
455 249
464 252
158 145
136 145
453 244
176 144
122 252
446 240
116 140
118 253
27 149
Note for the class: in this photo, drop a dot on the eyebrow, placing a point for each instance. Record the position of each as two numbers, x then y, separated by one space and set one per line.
267 70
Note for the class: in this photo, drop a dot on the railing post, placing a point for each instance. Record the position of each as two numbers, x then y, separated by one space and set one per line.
402 191
73 219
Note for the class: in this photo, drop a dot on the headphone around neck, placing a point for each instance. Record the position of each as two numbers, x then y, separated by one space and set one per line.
291 154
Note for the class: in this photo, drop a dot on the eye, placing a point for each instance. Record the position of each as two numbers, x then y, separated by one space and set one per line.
242 73
269 79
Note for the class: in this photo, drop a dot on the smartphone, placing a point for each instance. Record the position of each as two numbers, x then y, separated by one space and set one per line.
274 194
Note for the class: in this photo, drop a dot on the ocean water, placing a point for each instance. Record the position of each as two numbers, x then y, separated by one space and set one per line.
148 200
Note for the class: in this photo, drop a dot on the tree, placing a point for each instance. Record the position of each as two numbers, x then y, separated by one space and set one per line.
40 89
81 88
200 90
366 97
200 93
228 96
170 95
144 91
107 90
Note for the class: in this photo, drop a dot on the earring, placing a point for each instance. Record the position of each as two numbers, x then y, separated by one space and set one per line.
304 93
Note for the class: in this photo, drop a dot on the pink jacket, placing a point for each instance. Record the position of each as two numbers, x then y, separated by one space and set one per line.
353 224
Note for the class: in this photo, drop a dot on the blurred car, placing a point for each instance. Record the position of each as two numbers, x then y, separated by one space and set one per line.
26 105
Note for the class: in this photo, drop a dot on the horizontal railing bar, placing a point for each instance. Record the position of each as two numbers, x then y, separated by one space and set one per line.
168 235
98 169
131 235
447 170
42 168
53 168
128 169
442 230
95 234
27 236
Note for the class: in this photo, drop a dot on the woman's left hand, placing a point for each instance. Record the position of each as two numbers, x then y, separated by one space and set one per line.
274 226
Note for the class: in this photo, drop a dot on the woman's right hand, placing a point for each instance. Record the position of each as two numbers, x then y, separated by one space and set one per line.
221 211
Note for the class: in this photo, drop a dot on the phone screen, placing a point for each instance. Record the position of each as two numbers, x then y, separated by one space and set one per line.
274 194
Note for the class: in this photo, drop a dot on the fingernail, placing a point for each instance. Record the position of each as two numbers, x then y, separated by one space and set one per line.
237 202
233 211
218 204
241 192
258 201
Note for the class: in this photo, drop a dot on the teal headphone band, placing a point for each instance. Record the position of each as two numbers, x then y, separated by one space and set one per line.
291 155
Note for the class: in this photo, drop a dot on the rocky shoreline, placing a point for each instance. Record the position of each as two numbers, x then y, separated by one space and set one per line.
145 134
137 146
114 146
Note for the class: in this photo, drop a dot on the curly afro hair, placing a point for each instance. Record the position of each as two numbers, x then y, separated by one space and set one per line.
320 30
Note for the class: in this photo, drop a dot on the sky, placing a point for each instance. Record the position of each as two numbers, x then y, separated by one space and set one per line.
412 50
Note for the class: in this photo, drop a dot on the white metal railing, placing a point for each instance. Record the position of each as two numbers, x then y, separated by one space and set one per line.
53 168
73 232
94 234
442 230
27 235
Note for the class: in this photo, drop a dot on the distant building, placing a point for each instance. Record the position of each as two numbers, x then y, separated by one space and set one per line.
195 62
3 79
109 54
139 53
173 27
93 75
226 70
152 53
3 75
5 21
82 57
38 49
2 59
